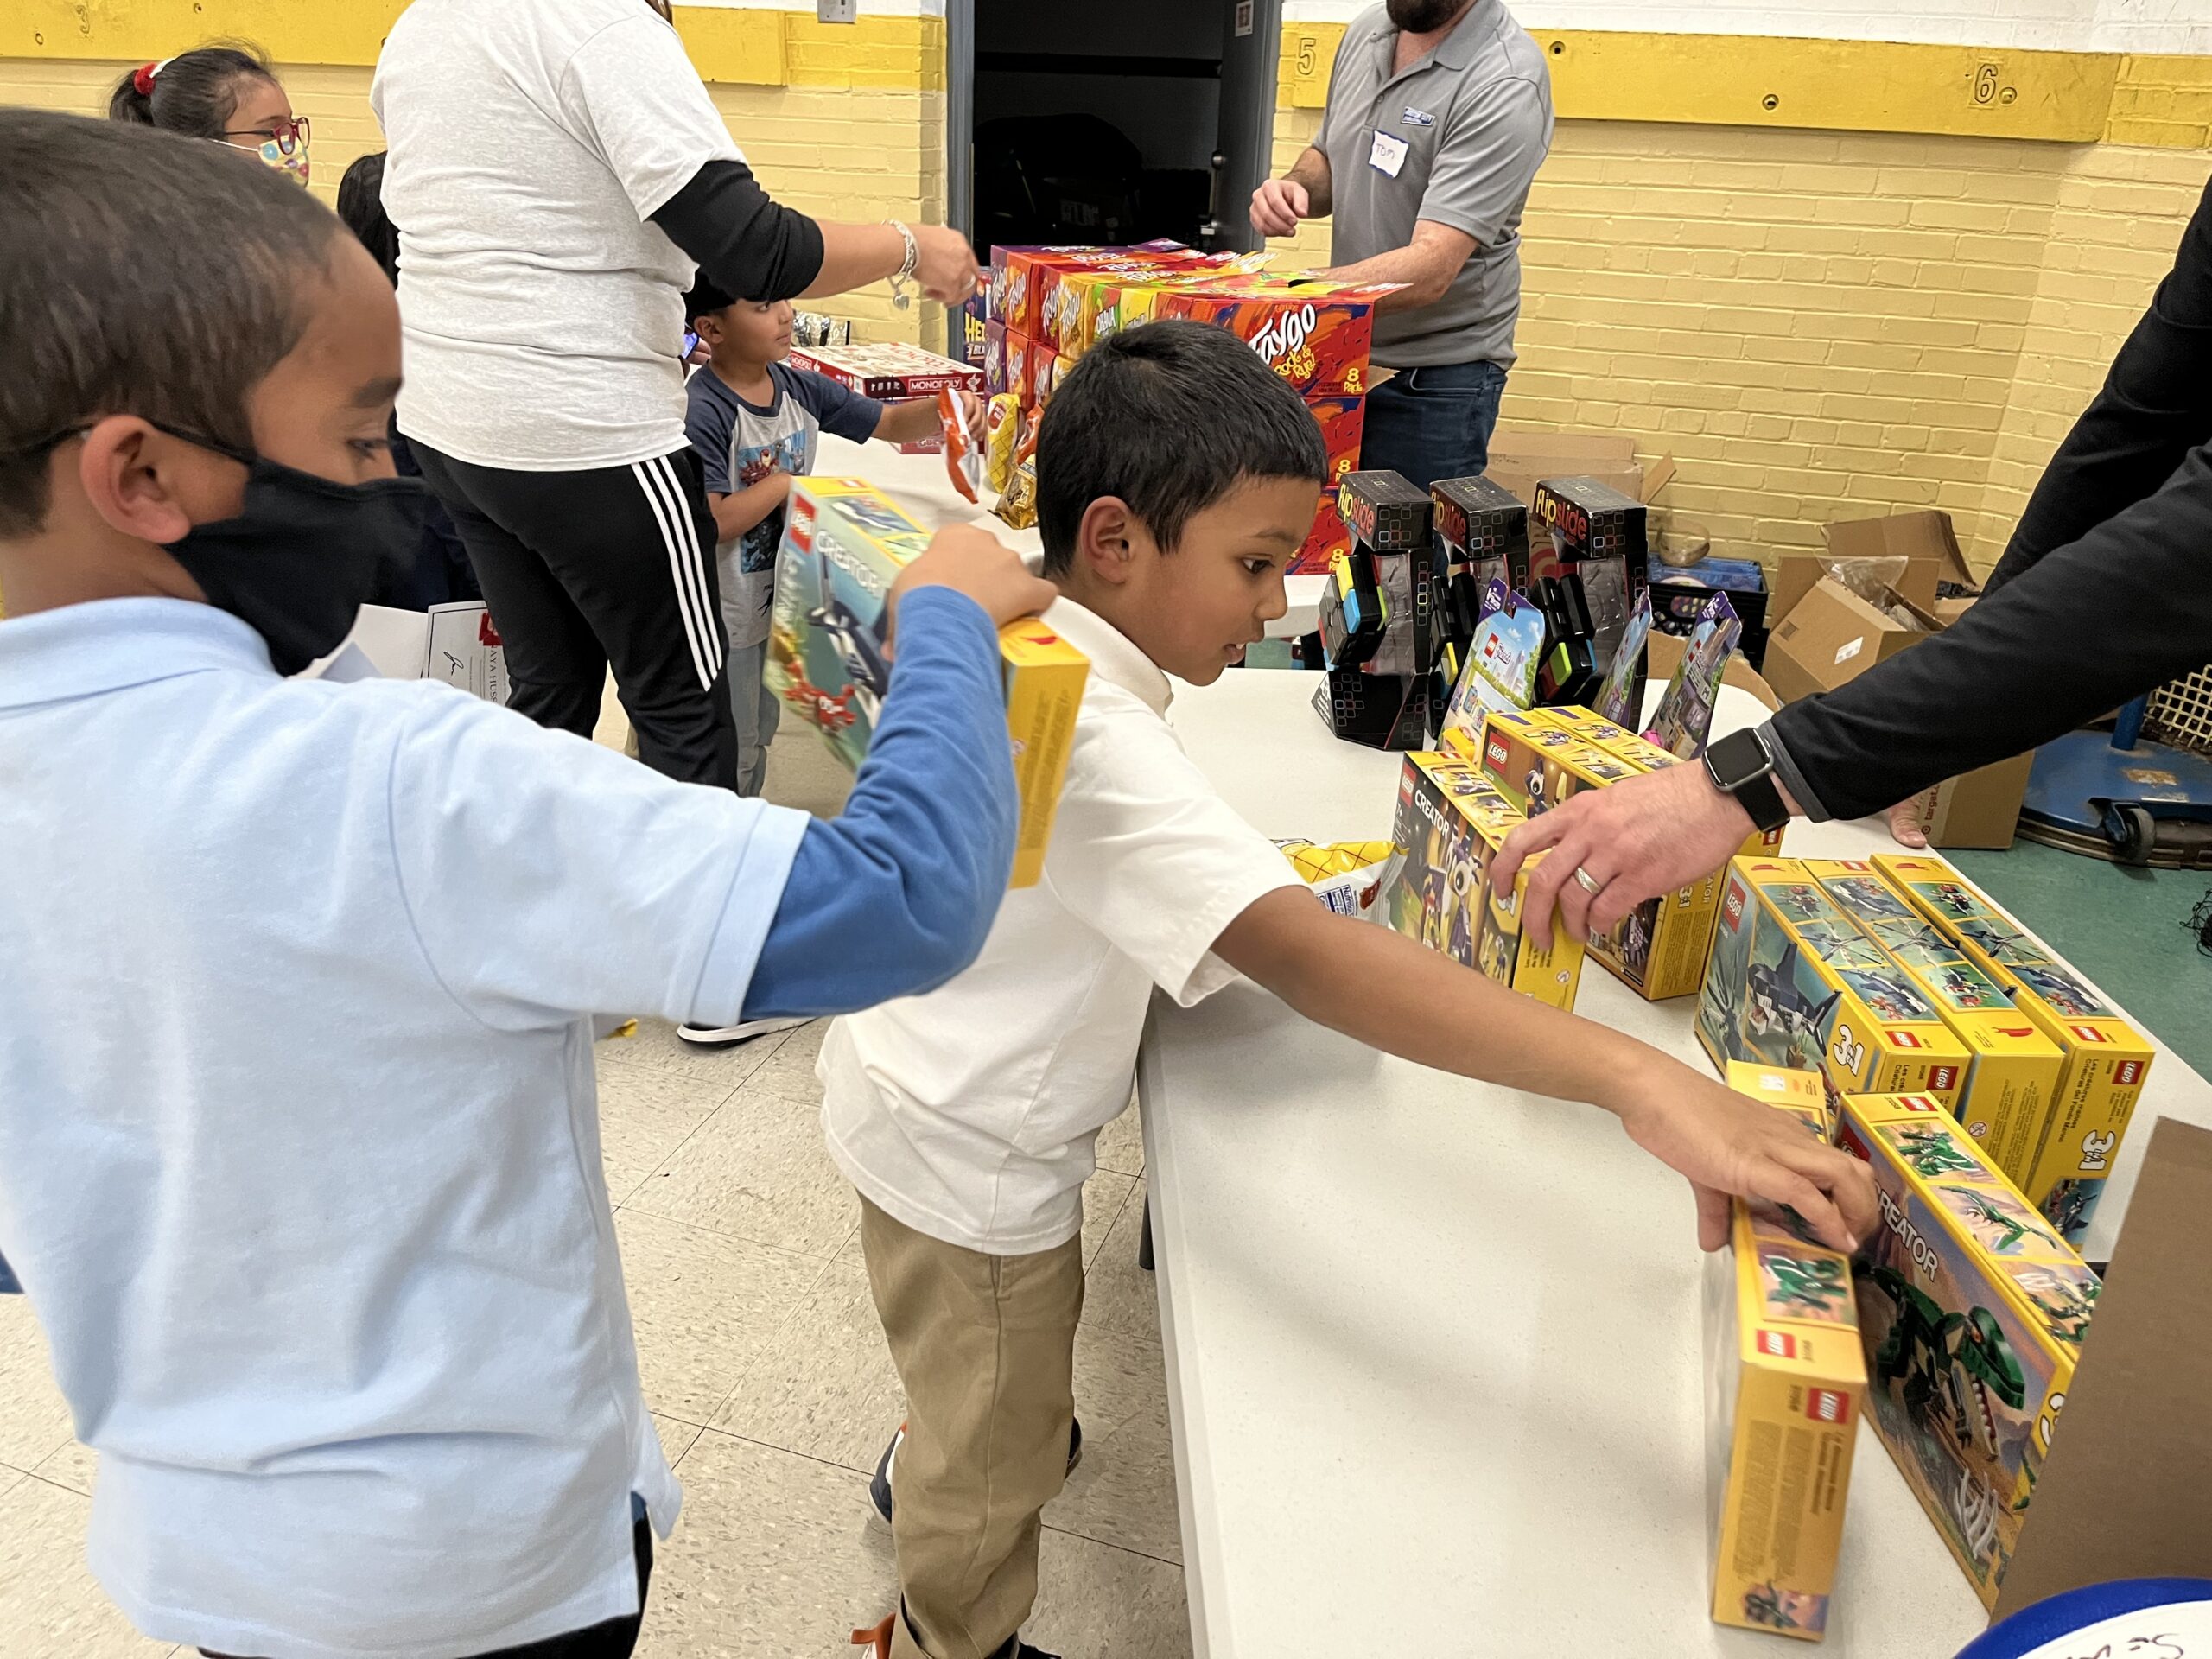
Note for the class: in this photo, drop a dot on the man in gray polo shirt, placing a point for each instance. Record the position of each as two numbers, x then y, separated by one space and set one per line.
1440 113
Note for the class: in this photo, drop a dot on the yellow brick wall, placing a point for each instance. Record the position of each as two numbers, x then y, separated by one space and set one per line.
1830 324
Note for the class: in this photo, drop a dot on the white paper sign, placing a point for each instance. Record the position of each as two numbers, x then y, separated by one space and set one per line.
1389 154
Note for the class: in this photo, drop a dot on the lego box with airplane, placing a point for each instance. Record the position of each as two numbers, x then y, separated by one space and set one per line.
1972 1310
844 544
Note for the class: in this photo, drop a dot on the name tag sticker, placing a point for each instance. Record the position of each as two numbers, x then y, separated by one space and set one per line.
1414 117
1389 154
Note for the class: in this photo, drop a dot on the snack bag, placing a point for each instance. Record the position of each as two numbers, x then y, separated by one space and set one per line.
1345 875
1018 505
1001 424
963 457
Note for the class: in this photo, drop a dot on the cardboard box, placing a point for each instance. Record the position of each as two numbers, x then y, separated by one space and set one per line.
1831 637
2011 1087
1785 1381
1315 335
1520 461
1536 763
1793 982
1451 823
887 369
1924 540
844 543
1972 1311
2105 1059
1021 276
1343 422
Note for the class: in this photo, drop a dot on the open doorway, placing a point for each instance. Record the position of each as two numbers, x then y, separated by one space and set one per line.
1065 127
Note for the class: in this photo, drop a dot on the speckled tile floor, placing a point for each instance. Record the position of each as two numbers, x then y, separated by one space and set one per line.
765 1371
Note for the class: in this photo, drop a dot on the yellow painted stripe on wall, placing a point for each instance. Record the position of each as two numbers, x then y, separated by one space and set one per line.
742 47
1852 85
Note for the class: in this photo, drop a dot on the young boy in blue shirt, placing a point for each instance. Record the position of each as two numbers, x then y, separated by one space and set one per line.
754 420
299 1144
1176 477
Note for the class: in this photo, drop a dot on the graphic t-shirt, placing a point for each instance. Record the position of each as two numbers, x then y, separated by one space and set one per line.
741 443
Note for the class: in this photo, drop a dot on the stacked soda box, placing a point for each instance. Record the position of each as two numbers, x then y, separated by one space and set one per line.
1049 305
1972 1310
890 372
2103 1060
1784 1381
844 544
1450 823
1793 981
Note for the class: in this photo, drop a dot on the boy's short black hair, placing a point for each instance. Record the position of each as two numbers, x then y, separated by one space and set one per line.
360 206
1170 417
146 274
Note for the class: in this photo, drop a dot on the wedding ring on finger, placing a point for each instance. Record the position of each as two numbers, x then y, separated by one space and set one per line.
1589 883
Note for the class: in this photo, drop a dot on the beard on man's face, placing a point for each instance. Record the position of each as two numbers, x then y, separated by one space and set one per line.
1420 17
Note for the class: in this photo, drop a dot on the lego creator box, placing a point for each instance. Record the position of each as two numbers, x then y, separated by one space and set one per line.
1804 1094
843 545
1793 982
2104 1060
1972 1310
1316 336
1784 1383
887 369
1342 421
1450 822
2012 1083
1536 763
1581 526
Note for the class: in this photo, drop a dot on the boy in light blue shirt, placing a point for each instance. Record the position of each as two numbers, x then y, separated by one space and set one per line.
299 1146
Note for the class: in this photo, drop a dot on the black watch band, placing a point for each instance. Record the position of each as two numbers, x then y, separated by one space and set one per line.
1739 766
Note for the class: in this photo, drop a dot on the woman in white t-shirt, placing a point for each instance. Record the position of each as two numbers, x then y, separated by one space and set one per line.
557 174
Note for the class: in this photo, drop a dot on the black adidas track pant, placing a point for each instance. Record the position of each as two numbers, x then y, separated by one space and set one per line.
613 565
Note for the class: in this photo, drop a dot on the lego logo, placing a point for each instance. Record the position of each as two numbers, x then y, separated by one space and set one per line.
1943 1077
1733 908
1904 1039
1920 1104
1779 1343
2089 1034
2128 1074
1496 752
1827 1406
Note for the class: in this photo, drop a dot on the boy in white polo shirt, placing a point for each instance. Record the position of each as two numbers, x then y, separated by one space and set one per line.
299 1143
1176 477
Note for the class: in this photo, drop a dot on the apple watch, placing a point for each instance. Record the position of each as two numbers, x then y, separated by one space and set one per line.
1741 768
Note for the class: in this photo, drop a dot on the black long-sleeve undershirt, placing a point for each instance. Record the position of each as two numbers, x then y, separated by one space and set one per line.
2104 593
744 242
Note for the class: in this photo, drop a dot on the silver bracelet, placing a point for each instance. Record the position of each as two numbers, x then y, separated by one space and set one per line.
906 271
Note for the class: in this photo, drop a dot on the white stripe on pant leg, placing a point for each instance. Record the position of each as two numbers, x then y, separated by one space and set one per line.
675 572
688 524
670 495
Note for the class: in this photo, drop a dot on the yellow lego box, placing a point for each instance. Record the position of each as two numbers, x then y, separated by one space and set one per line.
1450 822
2012 1083
2104 1060
1785 1380
1792 982
844 543
1536 763
1972 1310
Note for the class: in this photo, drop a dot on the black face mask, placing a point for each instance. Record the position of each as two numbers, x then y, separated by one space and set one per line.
304 554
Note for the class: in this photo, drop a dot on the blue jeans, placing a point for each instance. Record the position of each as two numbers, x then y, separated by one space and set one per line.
1432 423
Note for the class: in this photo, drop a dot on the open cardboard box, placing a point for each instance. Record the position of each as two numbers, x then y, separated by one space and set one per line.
1924 540
1520 461
1830 636
1664 655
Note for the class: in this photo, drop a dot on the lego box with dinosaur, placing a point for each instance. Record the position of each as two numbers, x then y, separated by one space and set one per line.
844 544
1972 1310
1792 982
1784 1379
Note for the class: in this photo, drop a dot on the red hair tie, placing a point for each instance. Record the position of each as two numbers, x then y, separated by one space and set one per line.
142 82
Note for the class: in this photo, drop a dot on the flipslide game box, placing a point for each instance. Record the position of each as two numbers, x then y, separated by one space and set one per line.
844 544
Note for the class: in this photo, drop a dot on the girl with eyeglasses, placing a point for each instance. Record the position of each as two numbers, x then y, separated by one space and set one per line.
228 94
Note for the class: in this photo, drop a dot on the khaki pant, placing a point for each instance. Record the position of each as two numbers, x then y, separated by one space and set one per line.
985 1346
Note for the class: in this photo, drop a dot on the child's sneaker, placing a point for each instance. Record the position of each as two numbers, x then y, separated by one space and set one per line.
876 1639
730 1036
878 1485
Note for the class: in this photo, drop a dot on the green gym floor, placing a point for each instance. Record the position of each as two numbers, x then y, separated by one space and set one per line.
2124 928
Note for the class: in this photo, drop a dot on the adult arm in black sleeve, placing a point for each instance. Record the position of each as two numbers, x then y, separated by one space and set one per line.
2155 406
745 241
2104 619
